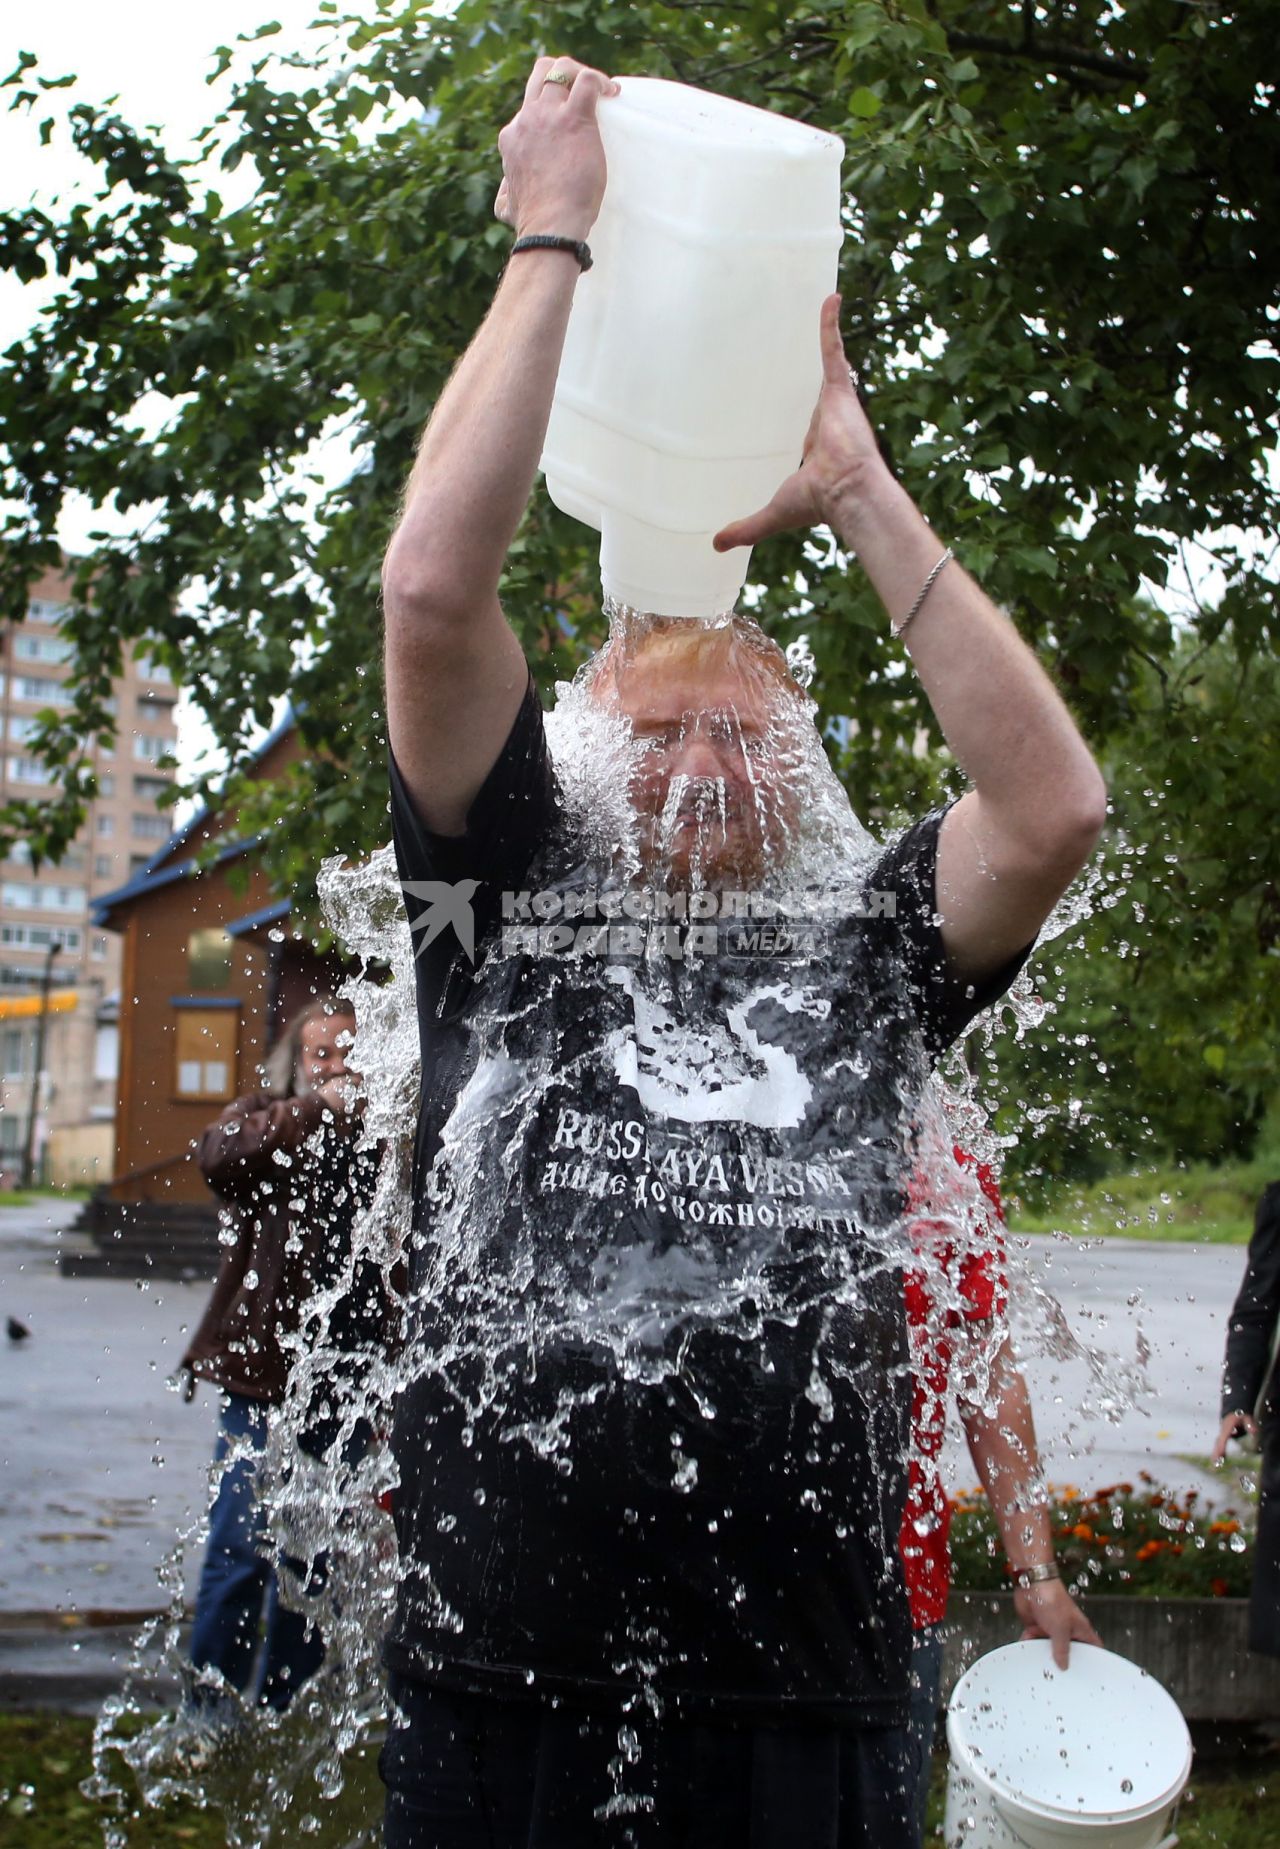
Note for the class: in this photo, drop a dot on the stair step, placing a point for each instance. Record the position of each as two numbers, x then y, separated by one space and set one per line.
144 1239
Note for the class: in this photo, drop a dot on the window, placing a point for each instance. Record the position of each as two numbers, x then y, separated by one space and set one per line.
106 1052
209 958
12 1132
40 610
13 1053
137 862
150 746
47 692
20 729
205 1054
43 897
41 648
29 770
150 789
106 783
38 937
152 670
98 948
151 827
72 862
102 865
106 825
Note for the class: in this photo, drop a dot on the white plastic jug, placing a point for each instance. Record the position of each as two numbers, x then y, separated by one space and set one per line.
692 363
1090 1757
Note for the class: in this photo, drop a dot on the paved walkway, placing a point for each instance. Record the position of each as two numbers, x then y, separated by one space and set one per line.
1128 1298
100 1465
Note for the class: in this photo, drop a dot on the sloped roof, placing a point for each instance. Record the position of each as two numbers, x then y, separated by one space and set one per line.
206 812
162 869
151 879
259 920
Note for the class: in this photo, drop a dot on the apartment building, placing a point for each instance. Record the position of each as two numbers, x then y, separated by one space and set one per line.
40 908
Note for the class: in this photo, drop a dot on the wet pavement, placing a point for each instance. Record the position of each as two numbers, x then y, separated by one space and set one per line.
1127 1298
100 1464
103 1466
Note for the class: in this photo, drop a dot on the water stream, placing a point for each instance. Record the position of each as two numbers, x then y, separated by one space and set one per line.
670 1182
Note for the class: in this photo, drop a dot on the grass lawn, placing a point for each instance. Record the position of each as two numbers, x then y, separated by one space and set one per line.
43 1757
1207 1206
1231 1807
27 1197
1093 1226
1229 1804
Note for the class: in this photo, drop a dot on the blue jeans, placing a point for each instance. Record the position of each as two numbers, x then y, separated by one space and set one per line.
238 1578
926 1687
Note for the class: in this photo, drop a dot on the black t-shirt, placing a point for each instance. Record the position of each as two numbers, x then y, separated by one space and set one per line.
655 1425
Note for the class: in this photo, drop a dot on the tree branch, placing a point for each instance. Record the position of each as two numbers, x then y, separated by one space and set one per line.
1069 57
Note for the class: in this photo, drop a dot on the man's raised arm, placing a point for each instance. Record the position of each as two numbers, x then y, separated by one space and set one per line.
1010 847
455 671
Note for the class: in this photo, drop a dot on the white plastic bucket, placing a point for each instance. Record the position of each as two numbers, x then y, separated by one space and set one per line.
1091 1757
692 361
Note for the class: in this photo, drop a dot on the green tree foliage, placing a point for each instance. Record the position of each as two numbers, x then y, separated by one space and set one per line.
1163 1036
1059 285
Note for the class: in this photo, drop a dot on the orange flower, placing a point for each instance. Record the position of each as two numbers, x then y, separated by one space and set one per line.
1224 1527
1149 1550
1218 1587
1083 1531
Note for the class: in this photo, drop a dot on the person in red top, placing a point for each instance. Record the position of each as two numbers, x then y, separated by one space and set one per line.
953 1300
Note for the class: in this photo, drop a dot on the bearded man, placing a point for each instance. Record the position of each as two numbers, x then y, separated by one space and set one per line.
652 1441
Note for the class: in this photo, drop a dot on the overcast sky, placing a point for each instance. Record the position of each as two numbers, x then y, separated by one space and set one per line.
155 56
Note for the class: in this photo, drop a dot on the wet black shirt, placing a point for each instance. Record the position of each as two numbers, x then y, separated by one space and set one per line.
654 1429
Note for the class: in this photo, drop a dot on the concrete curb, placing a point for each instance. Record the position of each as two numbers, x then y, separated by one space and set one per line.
71 1668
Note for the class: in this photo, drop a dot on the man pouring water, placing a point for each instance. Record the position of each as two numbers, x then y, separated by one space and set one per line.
652 1438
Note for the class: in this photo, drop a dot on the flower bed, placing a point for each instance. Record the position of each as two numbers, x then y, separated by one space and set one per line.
1129 1538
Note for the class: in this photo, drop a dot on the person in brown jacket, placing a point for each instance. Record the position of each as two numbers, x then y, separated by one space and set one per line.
286 1165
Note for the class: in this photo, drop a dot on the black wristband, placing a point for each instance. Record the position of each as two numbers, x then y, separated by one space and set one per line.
581 251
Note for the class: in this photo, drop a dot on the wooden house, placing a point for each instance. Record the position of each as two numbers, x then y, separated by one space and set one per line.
211 973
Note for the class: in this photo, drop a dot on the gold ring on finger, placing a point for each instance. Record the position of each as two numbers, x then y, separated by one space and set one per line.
561 77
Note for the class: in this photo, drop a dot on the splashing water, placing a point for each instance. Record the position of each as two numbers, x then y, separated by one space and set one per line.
660 1240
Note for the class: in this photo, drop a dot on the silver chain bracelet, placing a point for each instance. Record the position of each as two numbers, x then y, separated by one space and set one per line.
898 630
